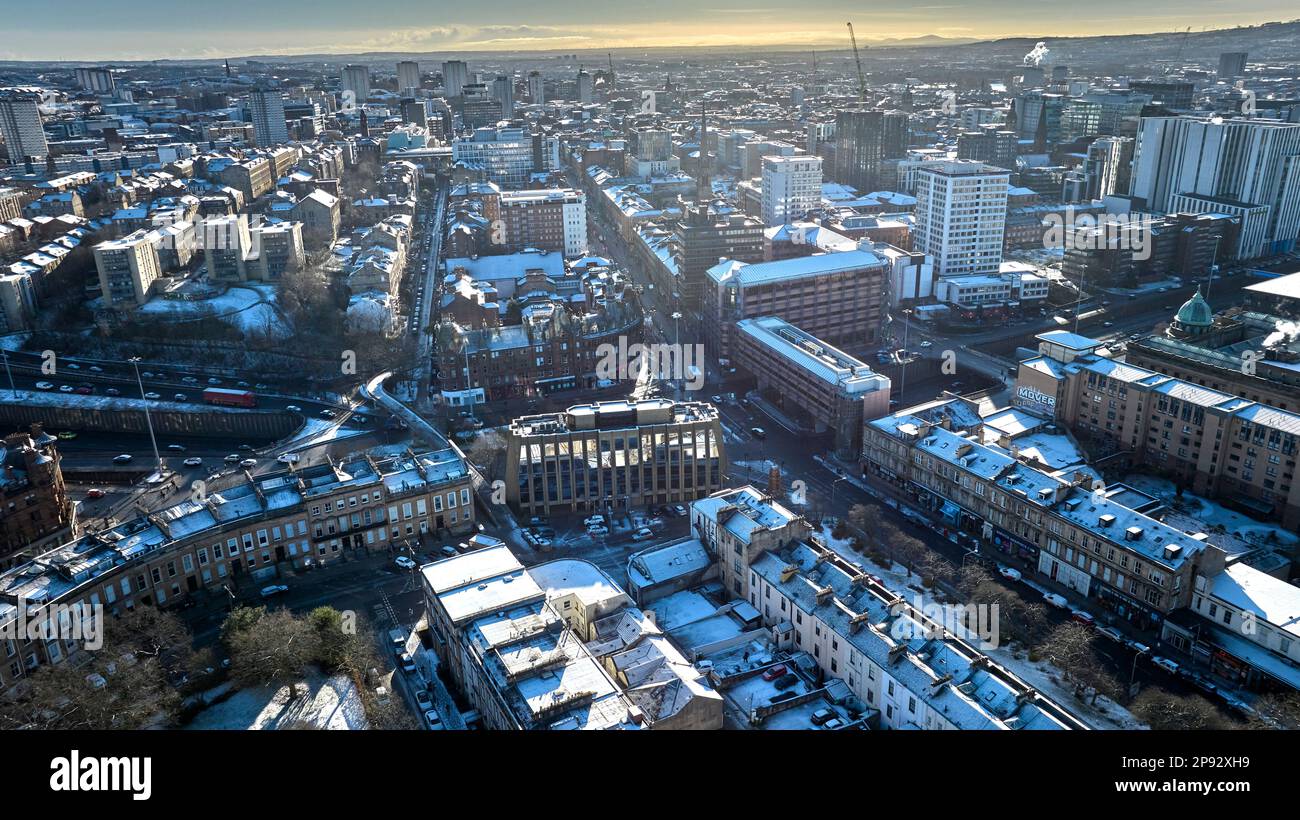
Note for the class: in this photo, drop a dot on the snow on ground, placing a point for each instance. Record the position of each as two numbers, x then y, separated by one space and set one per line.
54 398
1191 510
247 307
319 431
14 341
330 703
1041 674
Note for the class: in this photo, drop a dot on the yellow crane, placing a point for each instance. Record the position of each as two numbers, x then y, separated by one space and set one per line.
862 83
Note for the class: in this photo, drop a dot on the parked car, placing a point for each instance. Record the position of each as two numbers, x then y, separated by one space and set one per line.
781 697
152 396
288 458
642 534
1137 646
775 672
44 386
407 664
423 699
449 551
678 510
1236 704
1164 663
433 720
233 458
598 529
1081 617
273 590
66 388
1111 633
193 461
84 390
821 716
1055 600
833 723
248 463
786 681
593 520
404 562
1010 573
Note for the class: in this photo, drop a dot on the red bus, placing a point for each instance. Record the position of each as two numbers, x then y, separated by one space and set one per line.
229 398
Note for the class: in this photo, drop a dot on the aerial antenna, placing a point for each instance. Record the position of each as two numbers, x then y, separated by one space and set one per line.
862 83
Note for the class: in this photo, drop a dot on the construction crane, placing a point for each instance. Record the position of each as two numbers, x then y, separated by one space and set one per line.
862 83
1182 41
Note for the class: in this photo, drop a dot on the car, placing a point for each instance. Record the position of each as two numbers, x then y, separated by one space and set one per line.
407 663
1010 573
190 380
758 432
833 723
152 396
288 458
927 344
327 413
67 435
260 386
180 397
774 672
422 698
433 719
1107 324
716 399
248 448
95 492
85 390
1055 600
233 458
1164 663
1236 704
293 408
244 385
214 381
248 463
72 366
1084 618
193 461
822 716
94 368
112 391
176 448
125 458
44 386
598 529
1204 684
678 510
786 681
449 551
781 697
66 388
146 375
1111 632
404 562
593 520
274 590
642 534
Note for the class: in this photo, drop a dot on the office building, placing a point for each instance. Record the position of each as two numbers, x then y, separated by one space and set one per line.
536 88
792 187
1212 165
408 76
266 107
455 76
1107 167
863 140
995 146
549 219
700 240
1232 64
127 269
614 456
98 80
1175 95
813 382
837 297
20 124
584 87
506 156
961 210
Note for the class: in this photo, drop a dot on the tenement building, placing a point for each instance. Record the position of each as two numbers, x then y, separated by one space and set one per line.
236 536
1237 450
34 504
614 455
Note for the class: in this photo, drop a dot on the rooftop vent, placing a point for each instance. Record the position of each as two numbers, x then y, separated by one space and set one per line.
1106 520
1133 534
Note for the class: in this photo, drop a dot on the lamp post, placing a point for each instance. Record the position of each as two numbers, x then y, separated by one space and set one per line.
902 386
135 362
13 391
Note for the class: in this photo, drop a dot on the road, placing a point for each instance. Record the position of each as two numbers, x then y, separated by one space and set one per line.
428 291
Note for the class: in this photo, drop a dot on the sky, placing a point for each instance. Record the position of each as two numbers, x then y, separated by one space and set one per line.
102 30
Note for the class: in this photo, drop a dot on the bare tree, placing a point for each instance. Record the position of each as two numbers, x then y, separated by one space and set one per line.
1278 710
1072 648
269 648
1163 710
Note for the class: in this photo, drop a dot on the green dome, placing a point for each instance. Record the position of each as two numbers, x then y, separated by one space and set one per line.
1195 312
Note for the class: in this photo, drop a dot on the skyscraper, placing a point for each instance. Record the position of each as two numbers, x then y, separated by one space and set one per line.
503 91
408 76
356 78
95 79
20 124
792 186
862 140
455 74
266 108
1212 165
536 88
961 214
584 87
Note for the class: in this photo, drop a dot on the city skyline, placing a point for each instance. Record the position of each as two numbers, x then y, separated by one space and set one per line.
152 31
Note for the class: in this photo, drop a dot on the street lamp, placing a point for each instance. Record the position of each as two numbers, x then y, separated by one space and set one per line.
1214 258
13 391
135 362
902 385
